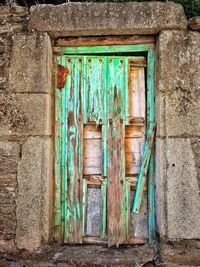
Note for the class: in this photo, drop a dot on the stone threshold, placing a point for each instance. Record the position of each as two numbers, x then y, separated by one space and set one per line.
83 256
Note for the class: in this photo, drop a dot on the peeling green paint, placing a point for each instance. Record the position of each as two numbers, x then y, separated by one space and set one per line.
96 91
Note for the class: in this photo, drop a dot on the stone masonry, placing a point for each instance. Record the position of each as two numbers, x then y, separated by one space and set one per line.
27 118
25 132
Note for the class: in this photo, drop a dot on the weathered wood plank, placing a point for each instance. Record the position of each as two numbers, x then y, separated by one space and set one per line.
101 241
94 240
92 149
73 226
115 150
94 180
92 156
139 121
92 131
150 120
137 62
133 131
144 169
133 153
136 89
105 40
58 162
94 90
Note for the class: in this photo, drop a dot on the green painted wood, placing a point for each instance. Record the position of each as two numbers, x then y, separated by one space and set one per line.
94 90
106 49
116 153
150 125
151 198
74 155
63 152
71 214
151 205
143 170
58 161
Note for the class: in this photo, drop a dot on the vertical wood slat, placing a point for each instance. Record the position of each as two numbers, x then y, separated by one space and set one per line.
94 90
136 109
115 150
58 161
136 91
151 119
63 153
73 221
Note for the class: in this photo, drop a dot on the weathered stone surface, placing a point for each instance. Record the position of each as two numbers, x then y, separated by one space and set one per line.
5 44
182 253
33 193
104 256
30 63
160 186
25 114
178 80
195 144
107 18
13 19
46 190
183 199
9 157
84 255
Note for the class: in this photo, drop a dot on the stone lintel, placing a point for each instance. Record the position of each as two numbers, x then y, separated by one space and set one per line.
84 19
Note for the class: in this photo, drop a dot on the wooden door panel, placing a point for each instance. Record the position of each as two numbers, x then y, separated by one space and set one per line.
72 163
103 134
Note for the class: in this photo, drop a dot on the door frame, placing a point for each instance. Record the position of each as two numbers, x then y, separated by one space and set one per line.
59 167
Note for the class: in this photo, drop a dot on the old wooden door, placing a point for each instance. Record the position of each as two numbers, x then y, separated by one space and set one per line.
100 135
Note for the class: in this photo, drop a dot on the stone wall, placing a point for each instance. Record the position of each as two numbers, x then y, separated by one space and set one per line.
26 113
25 132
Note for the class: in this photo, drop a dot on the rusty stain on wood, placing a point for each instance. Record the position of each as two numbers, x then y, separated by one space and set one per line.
136 120
62 72
138 62
105 40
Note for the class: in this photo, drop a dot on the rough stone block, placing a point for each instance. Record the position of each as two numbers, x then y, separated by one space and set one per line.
183 199
13 19
30 63
25 114
160 186
72 19
34 188
178 83
47 186
182 253
9 157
